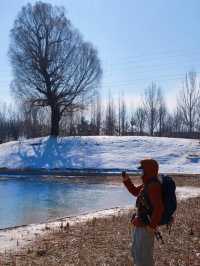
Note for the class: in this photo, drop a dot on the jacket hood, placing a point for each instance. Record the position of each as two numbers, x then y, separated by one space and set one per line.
150 168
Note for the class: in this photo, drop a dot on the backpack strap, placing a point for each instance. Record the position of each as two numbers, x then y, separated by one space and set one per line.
151 181
143 202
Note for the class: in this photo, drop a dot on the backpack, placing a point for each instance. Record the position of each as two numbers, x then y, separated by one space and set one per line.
169 200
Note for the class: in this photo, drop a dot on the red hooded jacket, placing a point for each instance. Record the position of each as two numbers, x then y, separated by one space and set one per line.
150 168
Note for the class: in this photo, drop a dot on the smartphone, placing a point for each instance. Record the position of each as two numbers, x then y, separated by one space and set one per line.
123 173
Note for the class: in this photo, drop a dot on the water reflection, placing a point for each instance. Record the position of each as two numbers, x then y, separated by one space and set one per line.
34 199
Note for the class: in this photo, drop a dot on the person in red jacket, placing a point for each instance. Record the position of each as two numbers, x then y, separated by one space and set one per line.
150 208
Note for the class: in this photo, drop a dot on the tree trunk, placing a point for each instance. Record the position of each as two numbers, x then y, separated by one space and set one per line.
55 120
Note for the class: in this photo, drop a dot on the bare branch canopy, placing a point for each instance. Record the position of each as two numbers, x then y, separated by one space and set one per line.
52 65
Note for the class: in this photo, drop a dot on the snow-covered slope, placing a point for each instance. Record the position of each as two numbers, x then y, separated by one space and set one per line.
173 155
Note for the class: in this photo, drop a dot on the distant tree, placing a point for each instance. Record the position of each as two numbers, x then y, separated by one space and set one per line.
110 119
52 65
29 116
151 106
72 127
96 115
132 123
177 119
126 127
83 127
140 119
162 113
188 101
197 124
96 119
10 123
168 125
122 116
124 123
119 116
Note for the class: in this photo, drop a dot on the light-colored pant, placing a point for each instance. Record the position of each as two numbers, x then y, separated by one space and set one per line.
142 247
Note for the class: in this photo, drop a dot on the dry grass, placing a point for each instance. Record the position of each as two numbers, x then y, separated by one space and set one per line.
107 241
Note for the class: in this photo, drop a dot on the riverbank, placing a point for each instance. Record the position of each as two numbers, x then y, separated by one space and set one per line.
104 238
107 241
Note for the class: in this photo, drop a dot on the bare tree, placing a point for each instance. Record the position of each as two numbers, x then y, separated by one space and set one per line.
132 123
162 113
197 126
52 65
110 119
122 116
168 125
188 101
119 115
177 121
98 114
10 123
72 127
151 106
95 120
140 119
124 124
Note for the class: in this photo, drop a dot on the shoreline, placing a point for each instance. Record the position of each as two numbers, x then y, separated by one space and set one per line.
108 240
80 172
17 238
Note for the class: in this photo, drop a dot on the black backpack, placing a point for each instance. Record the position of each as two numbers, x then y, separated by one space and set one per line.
169 200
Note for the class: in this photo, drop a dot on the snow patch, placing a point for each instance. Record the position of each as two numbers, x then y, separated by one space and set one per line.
184 193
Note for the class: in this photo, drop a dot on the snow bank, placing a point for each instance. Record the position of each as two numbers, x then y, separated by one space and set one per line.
102 152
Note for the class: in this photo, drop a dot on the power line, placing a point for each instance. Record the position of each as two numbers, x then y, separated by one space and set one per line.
141 71
138 58
163 53
149 63
158 77
167 69
132 82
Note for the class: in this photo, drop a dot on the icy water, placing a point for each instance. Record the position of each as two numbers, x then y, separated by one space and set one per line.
37 199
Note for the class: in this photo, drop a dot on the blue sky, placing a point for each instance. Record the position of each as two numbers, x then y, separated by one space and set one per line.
139 41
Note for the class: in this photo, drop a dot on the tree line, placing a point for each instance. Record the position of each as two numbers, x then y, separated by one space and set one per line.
150 117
